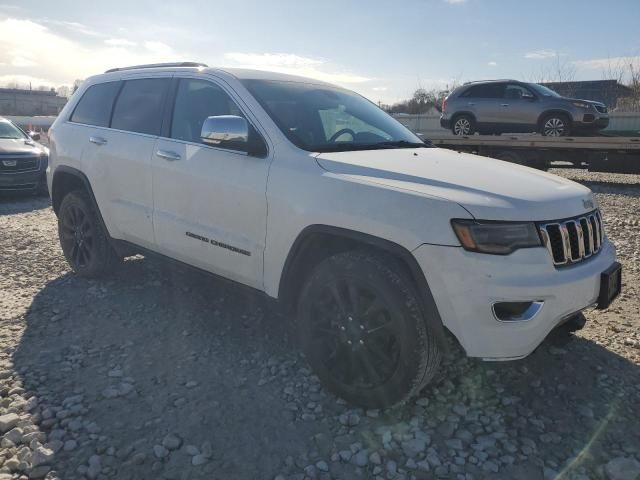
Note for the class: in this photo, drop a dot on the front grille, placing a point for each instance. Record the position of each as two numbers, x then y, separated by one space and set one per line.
573 240
600 108
19 163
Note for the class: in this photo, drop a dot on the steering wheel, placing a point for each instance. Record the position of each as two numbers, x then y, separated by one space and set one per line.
340 132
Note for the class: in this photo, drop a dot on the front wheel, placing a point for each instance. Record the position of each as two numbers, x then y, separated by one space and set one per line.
363 330
555 125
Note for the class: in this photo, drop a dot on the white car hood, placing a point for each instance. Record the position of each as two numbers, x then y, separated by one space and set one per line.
489 189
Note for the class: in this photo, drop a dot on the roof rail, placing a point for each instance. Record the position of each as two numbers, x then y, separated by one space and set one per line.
491 80
158 65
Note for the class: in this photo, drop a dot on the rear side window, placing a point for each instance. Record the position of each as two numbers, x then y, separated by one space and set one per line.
140 104
489 90
94 108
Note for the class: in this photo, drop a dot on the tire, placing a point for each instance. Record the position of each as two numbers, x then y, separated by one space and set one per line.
366 299
84 242
555 125
463 125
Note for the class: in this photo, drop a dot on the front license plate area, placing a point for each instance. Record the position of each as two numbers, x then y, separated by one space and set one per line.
610 285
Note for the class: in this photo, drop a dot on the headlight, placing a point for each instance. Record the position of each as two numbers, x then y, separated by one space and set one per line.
498 238
581 105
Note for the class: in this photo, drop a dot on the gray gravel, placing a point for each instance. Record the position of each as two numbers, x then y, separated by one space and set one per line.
160 372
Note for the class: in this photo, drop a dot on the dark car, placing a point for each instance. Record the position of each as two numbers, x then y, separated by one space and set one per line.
509 106
23 161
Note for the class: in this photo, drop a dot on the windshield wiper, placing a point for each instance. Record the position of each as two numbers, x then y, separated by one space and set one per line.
348 147
406 144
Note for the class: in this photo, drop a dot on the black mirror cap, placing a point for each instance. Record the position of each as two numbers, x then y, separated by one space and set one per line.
34 136
256 146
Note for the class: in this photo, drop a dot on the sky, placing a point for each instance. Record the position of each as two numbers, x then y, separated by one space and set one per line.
382 49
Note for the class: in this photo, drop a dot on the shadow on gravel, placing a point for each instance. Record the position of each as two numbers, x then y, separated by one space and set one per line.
160 350
119 364
12 203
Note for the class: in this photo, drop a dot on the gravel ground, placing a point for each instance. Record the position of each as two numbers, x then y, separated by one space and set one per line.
160 372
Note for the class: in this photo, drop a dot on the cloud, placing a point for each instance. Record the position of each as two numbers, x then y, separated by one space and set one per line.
53 56
455 2
158 48
25 80
292 64
540 54
606 63
492 64
379 89
74 27
120 42
271 59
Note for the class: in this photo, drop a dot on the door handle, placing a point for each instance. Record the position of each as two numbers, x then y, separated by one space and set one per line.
471 104
505 104
97 140
168 155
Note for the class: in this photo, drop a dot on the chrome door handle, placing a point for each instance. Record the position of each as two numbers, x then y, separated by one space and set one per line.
168 155
471 104
97 140
505 104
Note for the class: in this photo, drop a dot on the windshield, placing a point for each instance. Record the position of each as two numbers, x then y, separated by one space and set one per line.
321 118
544 91
9 130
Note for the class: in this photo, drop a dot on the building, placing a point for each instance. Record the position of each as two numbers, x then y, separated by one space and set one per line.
15 101
605 91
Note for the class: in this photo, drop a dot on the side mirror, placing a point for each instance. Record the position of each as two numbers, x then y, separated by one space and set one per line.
224 130
34 136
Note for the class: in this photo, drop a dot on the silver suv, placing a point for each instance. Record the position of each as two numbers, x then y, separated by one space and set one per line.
509 106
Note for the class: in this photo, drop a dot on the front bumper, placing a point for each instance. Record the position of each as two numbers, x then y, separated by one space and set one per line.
27 180
465 285
591 120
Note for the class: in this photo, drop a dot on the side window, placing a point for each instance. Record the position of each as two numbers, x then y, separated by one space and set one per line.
195 101
94 108
516 92
488 90
140 105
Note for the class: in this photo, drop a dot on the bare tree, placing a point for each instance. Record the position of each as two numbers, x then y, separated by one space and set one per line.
626 74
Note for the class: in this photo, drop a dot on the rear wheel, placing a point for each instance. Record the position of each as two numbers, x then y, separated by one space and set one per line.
84 242
363 331
555 125
463 125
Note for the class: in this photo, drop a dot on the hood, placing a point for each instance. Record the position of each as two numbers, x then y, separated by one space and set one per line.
489 189
591 102
19 146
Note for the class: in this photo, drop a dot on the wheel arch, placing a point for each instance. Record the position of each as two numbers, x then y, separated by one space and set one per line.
457 115
65 180
554 111
316 242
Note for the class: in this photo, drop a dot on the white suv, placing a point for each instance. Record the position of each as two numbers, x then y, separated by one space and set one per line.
313 195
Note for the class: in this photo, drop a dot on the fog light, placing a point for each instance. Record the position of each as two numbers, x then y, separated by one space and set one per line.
516 311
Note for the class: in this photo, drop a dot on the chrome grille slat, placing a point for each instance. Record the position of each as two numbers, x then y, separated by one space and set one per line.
573 240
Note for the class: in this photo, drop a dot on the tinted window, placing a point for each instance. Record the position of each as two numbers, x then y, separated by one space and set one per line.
139 106
323 118
489 90
195 101
517 92
94 108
